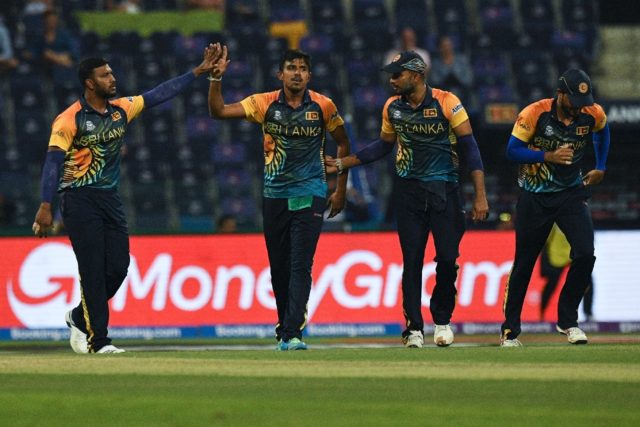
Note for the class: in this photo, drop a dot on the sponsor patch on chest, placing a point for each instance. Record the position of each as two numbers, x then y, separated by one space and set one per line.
582 130
430 112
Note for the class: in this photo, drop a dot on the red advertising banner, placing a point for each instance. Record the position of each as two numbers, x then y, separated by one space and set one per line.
224 280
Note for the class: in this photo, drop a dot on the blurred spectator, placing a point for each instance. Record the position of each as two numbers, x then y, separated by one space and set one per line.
126 6
7 210
37 7
451 71
56 48
227 224
407 41
7 60
206 4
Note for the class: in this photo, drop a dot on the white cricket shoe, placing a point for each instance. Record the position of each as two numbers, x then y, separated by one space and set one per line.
443 335
510 343
110 349
78 339
574 335
415 339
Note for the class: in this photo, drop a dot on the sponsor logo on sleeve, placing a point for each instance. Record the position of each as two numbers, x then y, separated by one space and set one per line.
130 98
457 108
430 112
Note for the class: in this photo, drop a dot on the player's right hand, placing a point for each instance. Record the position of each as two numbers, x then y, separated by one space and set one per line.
43 221
562 156
330 164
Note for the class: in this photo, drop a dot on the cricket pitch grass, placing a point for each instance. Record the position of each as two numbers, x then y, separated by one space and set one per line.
337 382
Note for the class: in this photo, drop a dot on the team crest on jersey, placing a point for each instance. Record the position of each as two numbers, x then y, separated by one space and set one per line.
277 115
116 116
90 125
582 130
548 131
396 114
430 112
311 115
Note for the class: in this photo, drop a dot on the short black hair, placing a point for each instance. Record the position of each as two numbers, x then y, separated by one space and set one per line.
291 54
86 67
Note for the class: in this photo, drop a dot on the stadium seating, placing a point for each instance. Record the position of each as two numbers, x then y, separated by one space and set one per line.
181 169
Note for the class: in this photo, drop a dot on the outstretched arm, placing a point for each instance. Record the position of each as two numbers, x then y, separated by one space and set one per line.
217 108
370 153
169 89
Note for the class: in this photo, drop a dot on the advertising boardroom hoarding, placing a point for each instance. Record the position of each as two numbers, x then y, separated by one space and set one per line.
220 281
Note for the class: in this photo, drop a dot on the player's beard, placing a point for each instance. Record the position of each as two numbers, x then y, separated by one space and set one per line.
106 93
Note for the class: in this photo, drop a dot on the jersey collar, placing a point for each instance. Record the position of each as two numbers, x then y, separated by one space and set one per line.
306 98
89 109
428 97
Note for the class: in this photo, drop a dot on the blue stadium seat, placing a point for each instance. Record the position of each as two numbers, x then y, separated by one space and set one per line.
228 154
412 14
285 10
579 15
363 73
490 70
451 16
327 17
244 209
233 180
240 12
370 15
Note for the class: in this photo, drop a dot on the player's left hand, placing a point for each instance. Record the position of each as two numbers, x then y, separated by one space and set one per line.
336 203
480 210
593 177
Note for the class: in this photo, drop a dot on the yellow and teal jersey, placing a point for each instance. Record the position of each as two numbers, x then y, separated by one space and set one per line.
294 140
539 127
426 141
92 141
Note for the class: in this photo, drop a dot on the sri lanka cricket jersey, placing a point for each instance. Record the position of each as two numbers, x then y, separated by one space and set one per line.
426 141
92 141
539 126
294 140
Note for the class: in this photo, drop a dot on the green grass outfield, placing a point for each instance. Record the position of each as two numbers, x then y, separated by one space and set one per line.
475 383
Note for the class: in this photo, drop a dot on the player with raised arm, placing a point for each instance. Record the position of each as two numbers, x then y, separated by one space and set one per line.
294 122
83 166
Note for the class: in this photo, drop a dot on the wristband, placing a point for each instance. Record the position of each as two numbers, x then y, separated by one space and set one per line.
339 166
214 79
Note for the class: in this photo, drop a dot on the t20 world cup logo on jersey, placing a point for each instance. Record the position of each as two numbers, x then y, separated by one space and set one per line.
47 286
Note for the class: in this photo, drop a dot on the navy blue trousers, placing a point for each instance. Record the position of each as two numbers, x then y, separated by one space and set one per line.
420 212
291 238
97 227
535 215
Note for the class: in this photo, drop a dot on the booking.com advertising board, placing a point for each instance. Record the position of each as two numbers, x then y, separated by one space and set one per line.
219 286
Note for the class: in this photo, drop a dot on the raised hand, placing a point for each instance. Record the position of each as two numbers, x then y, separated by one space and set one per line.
220 61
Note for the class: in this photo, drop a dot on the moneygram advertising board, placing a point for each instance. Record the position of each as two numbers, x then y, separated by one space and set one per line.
219 285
